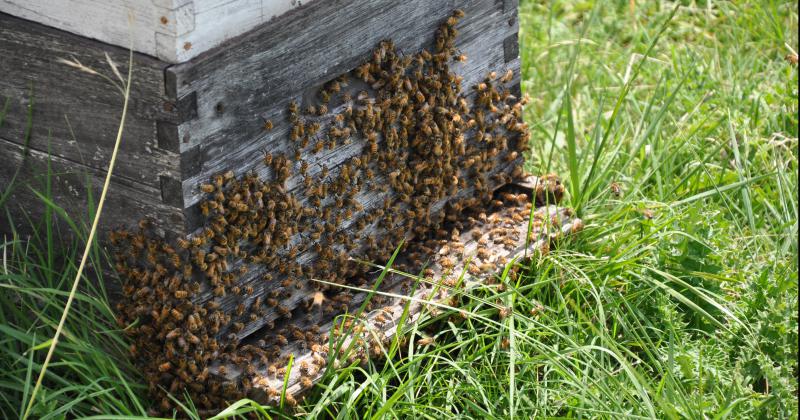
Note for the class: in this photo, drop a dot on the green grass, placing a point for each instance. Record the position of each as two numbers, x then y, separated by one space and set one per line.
678 300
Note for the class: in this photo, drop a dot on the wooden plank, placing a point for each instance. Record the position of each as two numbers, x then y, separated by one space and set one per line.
381 324
172 30
126 202
107 21
76 114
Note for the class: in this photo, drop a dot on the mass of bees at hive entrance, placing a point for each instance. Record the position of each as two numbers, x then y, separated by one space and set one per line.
428 147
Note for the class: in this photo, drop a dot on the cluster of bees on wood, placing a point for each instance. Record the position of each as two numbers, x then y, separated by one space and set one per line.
467 251
428 149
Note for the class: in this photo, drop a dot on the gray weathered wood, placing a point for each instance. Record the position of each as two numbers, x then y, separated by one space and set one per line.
76 114
256 76
74 117
126 201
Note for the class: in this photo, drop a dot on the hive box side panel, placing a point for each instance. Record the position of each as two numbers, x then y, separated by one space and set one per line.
253 79
73 187
52 108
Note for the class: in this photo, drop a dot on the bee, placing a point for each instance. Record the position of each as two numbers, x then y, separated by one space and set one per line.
173 334
178 315
425 341
267 125
317 299
616 189
507 77
306 382
207 188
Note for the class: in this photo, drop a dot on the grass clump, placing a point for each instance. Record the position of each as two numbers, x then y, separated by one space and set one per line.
90 373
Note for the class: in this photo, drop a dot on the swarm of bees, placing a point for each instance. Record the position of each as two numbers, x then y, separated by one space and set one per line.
426 148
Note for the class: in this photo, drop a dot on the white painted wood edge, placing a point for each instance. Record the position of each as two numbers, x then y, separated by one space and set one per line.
172 30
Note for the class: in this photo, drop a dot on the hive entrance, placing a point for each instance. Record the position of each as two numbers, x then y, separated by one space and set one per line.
395 150
473 250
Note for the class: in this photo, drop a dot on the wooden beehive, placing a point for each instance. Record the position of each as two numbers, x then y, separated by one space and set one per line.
228 95
199 105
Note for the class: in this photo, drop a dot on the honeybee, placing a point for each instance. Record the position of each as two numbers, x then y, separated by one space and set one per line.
507 77
616 189
425 341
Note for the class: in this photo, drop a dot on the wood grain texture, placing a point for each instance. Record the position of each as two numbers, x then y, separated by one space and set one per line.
126 201
255 77
171 30
217 21
76 114
382 323
106 21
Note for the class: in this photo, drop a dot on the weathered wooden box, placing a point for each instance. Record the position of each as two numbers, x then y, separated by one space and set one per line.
207 75
222 95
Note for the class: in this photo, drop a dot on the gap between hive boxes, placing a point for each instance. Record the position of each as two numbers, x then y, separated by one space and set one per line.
501 237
